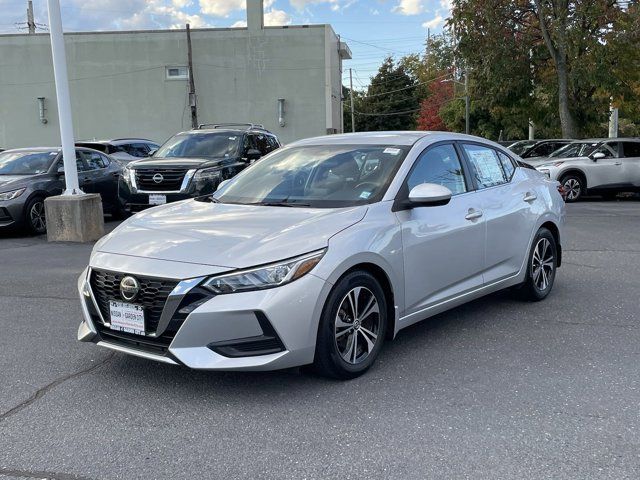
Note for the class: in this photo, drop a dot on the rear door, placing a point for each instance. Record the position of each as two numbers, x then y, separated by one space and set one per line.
443 245
99 177
510 206
631 162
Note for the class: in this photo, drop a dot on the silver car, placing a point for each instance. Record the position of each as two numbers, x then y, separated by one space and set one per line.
601 167
322 250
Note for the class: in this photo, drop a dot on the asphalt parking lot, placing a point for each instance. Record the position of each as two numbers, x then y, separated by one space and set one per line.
495 389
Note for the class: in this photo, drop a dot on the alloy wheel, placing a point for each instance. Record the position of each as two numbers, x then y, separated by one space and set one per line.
573 188
543 264
37 217
357 325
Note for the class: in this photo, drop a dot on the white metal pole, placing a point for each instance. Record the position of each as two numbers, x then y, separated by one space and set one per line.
64 99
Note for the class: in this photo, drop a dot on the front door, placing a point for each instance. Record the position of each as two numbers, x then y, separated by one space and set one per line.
443 245
631 163
605 172
511 207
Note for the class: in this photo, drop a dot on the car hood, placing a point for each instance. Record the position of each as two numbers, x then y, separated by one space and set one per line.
12 182
536 162
177 162
230 236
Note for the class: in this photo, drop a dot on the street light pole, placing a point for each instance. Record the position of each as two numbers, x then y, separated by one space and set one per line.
64 99
353 114
466 101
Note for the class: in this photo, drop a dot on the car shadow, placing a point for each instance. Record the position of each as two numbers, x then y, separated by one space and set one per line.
410 345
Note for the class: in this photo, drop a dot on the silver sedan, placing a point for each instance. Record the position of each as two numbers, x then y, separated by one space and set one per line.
323 250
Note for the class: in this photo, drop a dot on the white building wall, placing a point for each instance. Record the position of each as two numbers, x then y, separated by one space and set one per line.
119 86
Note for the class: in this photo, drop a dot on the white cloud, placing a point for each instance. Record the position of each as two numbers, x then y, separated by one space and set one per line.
223 8
303 4
435 22
272 18
409 7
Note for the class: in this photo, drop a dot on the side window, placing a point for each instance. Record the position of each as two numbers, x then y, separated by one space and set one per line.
485 165
439 165
80 164
610 150
273 143
507 165
94 160
249 143
262 144
631 149
139 150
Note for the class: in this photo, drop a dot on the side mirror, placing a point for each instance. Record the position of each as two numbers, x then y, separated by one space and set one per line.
429 195
222 184
253 154
598 156
60 170
152 152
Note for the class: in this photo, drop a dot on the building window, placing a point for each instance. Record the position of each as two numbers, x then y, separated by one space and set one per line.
177 73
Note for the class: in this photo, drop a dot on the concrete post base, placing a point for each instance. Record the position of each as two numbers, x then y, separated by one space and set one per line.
76 218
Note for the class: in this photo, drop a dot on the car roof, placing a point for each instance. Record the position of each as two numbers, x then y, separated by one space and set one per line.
117 140
616 139
407 138
34 149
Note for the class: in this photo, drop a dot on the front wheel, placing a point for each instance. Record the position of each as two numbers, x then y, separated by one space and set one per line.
541 269
352 328
574 186
35 219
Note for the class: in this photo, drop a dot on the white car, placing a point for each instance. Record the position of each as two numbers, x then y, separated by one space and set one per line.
322 250
600 167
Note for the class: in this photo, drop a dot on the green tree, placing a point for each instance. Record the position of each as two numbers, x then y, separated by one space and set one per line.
391 101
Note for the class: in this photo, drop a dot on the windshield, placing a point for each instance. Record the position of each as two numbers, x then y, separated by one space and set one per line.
327 176
26 163
578 149
521 146
198 145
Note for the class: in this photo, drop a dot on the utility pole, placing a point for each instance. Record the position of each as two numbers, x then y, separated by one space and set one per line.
466 101
192 84
353 115
613 121
532 130
31 23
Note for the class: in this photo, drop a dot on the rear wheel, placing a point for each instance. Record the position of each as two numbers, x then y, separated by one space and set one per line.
574 186
352 328
35 219
541 269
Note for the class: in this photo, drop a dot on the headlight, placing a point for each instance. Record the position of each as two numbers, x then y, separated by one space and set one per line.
269 276
551 164
208 174
127 175
545 171
12 194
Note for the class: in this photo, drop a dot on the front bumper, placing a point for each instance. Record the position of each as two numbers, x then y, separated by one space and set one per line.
12 212
261 330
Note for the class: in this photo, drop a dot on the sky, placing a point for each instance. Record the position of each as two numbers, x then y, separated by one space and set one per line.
373 29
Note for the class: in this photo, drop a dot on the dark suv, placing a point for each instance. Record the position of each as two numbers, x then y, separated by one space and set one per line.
193 163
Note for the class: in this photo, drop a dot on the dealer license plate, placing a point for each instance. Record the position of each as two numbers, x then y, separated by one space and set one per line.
157 199
126 317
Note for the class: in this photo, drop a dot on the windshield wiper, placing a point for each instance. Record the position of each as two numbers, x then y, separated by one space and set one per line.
208 199
282 204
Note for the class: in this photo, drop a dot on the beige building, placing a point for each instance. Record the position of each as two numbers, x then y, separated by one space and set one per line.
135 83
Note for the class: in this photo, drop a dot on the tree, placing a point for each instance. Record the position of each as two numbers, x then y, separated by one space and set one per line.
390 102
439 94
550 51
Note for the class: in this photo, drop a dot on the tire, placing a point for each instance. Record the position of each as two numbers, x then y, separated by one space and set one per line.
542 265
575 187
34 216
346 346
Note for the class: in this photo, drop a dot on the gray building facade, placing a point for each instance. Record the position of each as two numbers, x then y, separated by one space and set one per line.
135 83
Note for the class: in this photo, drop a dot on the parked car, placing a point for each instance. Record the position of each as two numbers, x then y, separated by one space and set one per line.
597 166
543 148
322 250
193 163
124 150
521 145
29 175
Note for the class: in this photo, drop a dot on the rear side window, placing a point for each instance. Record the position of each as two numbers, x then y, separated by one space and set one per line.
486 166
439 165
507 165
631 149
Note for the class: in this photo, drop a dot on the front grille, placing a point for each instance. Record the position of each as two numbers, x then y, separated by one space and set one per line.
172 179
152 297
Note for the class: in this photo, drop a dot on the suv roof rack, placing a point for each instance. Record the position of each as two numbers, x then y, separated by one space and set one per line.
247 126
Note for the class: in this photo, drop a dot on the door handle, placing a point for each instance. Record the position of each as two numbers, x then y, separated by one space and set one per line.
618 163
473 214
530 197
